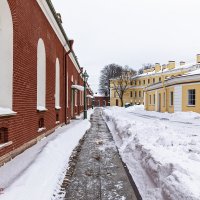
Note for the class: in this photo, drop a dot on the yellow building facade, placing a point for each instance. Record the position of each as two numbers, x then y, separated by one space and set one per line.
163 88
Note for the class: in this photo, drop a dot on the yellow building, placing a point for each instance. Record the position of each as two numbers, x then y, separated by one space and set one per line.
181 93
148 87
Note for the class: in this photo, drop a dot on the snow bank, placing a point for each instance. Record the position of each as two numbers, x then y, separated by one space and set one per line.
35 174
167 146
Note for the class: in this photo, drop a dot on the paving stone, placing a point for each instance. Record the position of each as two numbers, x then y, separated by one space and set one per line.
99 173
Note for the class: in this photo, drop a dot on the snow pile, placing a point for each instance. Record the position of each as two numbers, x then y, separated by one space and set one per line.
161 150
37 173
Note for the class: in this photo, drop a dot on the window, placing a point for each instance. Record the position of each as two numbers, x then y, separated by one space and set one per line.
57 85
139 82
115 95
148 81
153 80
144 82
154 99
171 98
41 123
139 93
131 94
135 93
3 135
159 79
6 55
150 99
41 75
191 97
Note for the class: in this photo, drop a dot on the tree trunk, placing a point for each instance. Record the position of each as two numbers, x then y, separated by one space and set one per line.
122 102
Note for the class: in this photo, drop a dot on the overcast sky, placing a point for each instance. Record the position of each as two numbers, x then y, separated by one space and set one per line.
130 32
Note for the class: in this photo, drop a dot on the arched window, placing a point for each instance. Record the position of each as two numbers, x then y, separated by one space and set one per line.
57 85
41 76
6 56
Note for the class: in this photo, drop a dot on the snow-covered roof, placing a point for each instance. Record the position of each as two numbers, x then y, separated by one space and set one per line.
78 87
177 68
99 95
185 78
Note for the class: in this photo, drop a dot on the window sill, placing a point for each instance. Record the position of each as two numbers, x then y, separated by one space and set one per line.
41 129
5 144
57 107
191 105
57 122
6 112
41 109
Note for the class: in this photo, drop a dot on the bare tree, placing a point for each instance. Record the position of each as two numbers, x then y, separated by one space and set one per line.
108 72
121 83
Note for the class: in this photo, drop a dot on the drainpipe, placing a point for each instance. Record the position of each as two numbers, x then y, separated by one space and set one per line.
65 74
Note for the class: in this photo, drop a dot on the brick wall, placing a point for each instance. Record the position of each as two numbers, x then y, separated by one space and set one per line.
30 24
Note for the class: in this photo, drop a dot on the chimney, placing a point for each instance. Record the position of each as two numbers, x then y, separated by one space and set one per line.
171 65
152 69
144 71
71 42
164 67
157 67
198 58
182 63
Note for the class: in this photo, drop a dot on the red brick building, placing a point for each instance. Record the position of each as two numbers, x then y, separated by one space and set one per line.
101 100
37 70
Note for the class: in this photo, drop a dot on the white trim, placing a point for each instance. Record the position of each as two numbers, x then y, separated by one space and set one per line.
177 98
156 100
51 19
5 144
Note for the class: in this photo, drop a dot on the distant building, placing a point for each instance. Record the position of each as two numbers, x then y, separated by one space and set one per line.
101 100
166 88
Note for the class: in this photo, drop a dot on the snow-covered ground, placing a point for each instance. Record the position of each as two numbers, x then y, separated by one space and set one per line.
37 173
161 150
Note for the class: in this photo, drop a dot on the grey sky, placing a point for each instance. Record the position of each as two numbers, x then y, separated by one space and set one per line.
130 32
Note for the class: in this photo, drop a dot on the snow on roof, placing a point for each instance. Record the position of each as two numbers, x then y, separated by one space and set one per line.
194 72
78 87
6 111
177 68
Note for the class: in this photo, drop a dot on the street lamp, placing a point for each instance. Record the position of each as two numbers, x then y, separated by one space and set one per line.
85 77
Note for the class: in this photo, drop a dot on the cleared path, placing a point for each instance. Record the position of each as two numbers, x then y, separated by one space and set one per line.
99 172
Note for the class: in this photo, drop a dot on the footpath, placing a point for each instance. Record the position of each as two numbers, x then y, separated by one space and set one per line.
99 173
